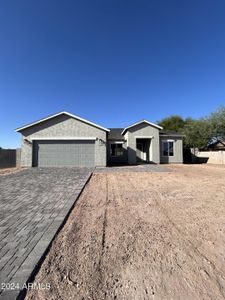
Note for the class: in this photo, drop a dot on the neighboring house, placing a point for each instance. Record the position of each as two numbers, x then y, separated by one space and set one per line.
217 145
64 139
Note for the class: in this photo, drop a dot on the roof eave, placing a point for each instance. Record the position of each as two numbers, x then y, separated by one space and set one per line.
168 134
58 114
142 121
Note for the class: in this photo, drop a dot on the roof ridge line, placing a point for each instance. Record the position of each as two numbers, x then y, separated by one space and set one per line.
58 114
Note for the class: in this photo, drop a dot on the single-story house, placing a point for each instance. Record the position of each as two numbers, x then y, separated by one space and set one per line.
64 139
217 145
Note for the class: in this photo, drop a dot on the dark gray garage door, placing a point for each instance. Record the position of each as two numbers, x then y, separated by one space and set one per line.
69 153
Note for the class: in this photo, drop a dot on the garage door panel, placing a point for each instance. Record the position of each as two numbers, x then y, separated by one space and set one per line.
64 153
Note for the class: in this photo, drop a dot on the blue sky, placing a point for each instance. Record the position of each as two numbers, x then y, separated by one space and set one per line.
112 62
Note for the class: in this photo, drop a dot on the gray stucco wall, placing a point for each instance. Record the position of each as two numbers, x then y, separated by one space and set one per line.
140 131
62 126
178 150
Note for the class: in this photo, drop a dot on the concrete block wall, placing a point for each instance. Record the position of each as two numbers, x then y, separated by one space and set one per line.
210 157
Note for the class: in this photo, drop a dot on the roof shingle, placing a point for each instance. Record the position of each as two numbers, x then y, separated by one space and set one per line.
115 134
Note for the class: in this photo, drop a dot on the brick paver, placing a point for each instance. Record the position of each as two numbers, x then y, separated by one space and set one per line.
33 206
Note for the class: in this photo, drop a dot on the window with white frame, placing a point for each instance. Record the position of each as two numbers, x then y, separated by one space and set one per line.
116 149
168 148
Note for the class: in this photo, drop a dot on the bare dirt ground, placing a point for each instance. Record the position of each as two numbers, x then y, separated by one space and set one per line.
142 236
5 171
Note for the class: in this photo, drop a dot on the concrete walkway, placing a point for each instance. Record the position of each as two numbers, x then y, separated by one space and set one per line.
33 205
136 168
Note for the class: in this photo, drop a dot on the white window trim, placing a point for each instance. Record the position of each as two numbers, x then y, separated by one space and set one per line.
166 141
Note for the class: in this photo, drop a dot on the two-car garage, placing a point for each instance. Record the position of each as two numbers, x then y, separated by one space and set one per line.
63 140
64 153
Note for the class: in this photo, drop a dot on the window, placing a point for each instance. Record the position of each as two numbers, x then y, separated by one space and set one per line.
116 150
168 148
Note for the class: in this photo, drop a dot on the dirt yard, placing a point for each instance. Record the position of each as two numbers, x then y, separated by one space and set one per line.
142 236
5 171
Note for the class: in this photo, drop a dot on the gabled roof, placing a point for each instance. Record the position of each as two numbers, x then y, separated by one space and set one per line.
58 114
140 122
115 134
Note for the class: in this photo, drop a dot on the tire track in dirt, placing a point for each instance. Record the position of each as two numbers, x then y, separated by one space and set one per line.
100 267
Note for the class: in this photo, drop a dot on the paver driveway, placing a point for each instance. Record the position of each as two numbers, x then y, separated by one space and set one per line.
33 205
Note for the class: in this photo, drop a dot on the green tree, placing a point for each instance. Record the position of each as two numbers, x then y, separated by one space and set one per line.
197 134
173 123
216 122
